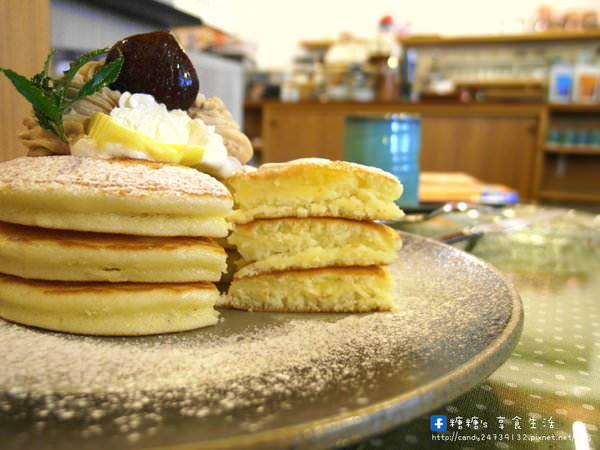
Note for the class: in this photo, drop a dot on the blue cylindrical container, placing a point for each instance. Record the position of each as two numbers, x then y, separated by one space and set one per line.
391 142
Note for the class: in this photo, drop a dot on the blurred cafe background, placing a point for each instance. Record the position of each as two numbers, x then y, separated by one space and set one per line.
507 92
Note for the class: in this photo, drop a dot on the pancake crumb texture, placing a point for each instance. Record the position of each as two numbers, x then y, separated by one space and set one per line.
311 187
306 238
312 242
332 289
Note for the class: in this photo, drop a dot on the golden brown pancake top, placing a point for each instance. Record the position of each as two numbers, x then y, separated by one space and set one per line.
113 177
67 238
74 287
275 170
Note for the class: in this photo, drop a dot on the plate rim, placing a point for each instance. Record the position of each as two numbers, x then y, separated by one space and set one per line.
351 426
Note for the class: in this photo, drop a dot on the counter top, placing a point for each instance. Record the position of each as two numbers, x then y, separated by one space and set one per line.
471 106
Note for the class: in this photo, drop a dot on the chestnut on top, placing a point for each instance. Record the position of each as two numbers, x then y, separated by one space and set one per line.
156 64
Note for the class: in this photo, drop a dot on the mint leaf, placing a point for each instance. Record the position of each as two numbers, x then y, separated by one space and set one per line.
104 77
33 94
42 79
74 67
47 94
54 127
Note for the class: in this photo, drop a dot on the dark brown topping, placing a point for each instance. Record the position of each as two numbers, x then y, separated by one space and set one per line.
156 64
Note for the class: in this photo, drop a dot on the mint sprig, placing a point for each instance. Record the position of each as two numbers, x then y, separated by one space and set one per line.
47 95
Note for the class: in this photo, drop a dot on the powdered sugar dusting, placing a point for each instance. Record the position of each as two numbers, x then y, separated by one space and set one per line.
135 178
253 371
340 165
281 169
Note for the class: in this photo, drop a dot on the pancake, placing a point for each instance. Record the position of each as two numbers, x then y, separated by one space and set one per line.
330 289
38 253
121 309
315 187
113 196
268 245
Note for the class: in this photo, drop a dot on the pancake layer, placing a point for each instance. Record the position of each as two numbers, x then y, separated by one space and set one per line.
121 309
113 196
38 253
330 289
315 187
302 243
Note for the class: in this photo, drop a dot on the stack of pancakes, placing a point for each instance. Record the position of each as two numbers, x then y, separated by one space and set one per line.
307 240
110 247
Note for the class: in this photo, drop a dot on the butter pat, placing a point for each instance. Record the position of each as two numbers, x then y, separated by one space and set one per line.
142 128
106 131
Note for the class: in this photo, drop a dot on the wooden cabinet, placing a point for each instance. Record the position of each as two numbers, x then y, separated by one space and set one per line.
495 148
495 143
24 45
310 132
569 157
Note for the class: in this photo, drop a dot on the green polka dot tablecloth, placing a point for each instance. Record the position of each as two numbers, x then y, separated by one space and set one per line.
547 394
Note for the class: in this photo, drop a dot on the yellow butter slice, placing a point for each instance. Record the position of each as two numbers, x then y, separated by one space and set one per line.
104 129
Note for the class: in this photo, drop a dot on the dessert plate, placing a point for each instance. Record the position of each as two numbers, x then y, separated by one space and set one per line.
271 380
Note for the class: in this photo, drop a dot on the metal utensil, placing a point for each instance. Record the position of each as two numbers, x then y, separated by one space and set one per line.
501 226
446 208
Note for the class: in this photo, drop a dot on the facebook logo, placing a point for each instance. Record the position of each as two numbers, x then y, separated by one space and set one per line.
438 423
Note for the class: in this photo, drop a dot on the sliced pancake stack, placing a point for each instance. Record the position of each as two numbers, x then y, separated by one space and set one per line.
307 239
110 247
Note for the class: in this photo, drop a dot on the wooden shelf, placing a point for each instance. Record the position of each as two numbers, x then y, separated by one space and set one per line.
548 36
569 196
253 104
322 44
575 150
484 108
433 40
508 82
574 108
